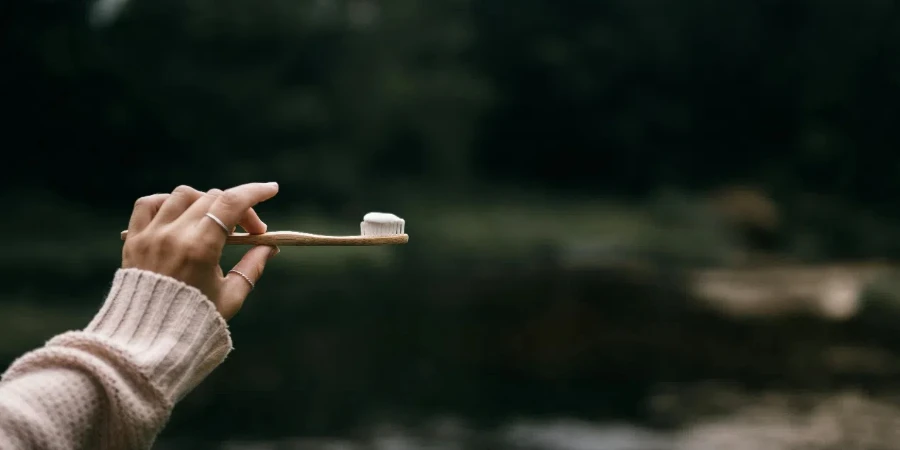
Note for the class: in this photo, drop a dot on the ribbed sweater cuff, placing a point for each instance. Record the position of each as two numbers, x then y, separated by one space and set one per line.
169 329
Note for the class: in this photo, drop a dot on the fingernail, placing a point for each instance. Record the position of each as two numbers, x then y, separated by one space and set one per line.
275 250
273 183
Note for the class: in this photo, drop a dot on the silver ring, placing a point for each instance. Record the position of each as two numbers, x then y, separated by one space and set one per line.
221 224
252 286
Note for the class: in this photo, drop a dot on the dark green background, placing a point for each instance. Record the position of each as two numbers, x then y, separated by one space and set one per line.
510 135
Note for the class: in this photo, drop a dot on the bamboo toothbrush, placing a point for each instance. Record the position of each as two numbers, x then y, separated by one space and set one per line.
375 229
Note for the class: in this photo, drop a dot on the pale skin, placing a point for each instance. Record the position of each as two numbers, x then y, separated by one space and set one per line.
171 235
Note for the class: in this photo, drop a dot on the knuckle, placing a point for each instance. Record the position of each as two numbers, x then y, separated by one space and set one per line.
167 241
142 201
213 194
183 190
230 198
137 246
136 242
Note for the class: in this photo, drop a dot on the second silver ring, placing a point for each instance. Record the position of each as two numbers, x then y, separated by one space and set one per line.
245 277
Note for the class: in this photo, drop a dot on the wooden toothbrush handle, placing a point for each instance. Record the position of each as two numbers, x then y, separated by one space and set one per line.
292 238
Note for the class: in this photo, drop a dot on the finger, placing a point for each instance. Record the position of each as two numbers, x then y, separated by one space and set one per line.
177 203
250 222
235 287
144 210
234 204
201 206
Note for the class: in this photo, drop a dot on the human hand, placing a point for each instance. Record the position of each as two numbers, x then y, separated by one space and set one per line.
170 234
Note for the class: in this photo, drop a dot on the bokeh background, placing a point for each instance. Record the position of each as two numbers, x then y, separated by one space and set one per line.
635 224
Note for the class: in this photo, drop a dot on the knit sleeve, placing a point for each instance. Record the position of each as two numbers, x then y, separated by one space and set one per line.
113 384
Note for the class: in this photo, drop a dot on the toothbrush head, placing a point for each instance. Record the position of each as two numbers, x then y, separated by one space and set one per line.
381 224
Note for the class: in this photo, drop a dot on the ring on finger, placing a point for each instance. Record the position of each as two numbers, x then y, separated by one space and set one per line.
245 277
219 222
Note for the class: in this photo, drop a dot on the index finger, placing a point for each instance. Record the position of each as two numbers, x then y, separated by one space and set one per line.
233 204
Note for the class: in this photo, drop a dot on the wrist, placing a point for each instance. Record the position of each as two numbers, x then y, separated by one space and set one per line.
169 329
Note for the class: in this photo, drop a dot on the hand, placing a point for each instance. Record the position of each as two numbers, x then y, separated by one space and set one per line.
171 235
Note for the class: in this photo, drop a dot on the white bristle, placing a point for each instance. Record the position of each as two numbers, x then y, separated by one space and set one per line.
381 224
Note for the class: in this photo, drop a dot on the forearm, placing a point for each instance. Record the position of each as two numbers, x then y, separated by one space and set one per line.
113 384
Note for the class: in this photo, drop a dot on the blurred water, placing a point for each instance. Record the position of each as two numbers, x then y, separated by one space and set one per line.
776 421
562 434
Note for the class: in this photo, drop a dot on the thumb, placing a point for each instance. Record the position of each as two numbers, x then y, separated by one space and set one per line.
236 286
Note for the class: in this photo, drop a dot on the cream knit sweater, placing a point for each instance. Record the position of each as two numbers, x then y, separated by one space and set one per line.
113 384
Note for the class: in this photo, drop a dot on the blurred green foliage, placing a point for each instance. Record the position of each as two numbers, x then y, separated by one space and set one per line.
349 102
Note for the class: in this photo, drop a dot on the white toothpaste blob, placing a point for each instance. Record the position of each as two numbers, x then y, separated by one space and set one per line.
381 224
